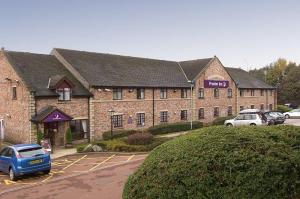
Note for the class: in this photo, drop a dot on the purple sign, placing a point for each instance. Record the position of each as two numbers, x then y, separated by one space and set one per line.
216 84
57 116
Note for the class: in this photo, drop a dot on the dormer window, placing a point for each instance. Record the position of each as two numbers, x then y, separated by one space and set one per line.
64 94
62 85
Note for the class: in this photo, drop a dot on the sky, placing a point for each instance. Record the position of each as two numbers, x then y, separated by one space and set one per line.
241 33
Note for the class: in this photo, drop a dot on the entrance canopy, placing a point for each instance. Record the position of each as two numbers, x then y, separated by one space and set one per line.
50 114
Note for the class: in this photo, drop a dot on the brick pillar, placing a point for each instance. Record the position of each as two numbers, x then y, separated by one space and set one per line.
33 126
91 119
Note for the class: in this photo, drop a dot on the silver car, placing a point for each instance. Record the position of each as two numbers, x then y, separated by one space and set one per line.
252 119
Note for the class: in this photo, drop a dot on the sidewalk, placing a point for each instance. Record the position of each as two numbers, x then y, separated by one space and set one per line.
60 152
170 135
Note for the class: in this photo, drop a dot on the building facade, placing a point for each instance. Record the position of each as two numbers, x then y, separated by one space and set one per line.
87 92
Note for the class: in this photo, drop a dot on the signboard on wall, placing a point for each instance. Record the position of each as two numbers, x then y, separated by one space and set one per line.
57 116
216 84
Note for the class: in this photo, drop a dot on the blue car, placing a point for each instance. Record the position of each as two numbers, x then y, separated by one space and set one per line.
23 159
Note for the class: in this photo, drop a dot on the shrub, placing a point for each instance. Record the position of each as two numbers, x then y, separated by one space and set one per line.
221 120
174 127
69 136
39 136
140 139
282 108
80 147
221 162
117 134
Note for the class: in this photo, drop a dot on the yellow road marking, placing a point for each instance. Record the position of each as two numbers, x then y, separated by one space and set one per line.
9 182
50 176
74 162
102 162
130 158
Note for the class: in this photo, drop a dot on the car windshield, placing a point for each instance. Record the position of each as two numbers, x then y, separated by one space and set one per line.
31 152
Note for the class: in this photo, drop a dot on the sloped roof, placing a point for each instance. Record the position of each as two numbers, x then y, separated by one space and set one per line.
45 111
36 69
244 80
193 67
115 70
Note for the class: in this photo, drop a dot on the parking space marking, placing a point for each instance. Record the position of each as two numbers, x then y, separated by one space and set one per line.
74 162
102 162
130 158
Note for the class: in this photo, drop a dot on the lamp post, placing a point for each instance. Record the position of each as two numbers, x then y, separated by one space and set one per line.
111 113
191 105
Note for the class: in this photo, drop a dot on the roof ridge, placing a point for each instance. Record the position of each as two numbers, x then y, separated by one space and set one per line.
22 52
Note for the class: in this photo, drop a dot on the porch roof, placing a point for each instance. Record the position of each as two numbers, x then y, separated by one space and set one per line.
50 114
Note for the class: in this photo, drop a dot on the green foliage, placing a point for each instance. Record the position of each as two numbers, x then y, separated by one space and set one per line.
282 108
174 127
69 136
140 139
80 147
39 136
117 134
221 120
222 162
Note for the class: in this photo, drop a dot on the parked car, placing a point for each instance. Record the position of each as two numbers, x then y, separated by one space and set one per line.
23 159
274 117
292 113
291 105
252 119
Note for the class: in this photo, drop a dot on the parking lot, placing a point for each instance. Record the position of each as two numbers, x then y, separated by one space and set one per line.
295 122
68 166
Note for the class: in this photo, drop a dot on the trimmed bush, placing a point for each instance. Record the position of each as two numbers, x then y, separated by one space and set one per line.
221 120
174 127
69 136
282 108
117 134
222 162
39 136
140 139
80 147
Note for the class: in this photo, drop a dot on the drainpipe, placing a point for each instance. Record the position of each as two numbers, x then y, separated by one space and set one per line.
153 106
191 105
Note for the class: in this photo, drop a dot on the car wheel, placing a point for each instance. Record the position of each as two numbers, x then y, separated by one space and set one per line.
12 175
271 123
252 124
287 116
46 171
229 125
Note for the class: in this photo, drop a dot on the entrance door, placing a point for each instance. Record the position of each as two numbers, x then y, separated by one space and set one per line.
51 131
1 129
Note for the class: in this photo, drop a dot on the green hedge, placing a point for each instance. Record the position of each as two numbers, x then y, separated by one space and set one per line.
117 134
174 127
220 162
282 108
119 145
221 120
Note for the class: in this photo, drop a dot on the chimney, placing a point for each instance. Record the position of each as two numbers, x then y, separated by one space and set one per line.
2 48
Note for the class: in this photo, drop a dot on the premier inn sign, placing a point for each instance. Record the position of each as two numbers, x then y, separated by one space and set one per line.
216 84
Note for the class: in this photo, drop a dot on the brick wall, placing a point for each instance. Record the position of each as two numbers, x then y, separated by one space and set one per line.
129 106
215 71
16 113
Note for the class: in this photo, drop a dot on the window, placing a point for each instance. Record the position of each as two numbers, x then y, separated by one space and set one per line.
216 93
252 92
252 107
229 111
184 93
201 113
229 93
216 111
242 93
270 107
240 117
262 107
163 93
79 129
201 93
261 92
241 108
14 93
64 94
117 94
183 115
271 92
164 116
117 120
140 93
140 119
